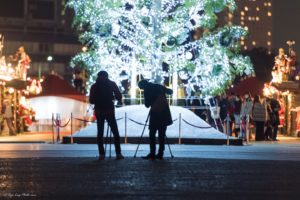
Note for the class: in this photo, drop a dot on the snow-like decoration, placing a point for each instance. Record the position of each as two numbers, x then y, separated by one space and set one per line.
139 114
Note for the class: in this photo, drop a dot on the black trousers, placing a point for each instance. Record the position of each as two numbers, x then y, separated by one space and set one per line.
259 135
161 137
274 135
111 120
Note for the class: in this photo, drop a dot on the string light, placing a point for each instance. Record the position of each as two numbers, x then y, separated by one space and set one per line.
120 34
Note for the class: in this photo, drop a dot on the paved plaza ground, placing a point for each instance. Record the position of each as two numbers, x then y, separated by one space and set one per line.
264 170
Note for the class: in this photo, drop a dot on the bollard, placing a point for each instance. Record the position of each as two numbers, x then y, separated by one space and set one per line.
125 127
52 128
248 129
58 124
227 128
71 128
179 142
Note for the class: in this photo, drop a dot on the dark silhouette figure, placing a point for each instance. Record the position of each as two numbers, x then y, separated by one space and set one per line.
160 115
102 94
275 106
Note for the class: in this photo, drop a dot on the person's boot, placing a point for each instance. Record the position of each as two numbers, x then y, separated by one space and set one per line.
101 156
160 155
149 156
119 157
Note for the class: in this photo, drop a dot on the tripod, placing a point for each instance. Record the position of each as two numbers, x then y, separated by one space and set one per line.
142 137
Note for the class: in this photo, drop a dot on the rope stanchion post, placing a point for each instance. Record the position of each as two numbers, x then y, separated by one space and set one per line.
52 128
227 128
58 127
71 128
125 127
179 142
248 129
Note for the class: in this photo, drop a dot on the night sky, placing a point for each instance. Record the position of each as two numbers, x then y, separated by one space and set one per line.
286 24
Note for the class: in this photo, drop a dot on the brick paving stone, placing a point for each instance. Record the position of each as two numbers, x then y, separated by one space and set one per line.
179 178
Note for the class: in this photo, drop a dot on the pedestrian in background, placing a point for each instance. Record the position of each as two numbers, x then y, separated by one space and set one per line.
160 115
259 117
237 115
224 105
102 94
269 120
8 114
275 106
245 112
230 111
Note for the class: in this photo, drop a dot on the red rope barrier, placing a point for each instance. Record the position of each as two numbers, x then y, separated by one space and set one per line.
83 120
92 121
139 123
57 122
197 126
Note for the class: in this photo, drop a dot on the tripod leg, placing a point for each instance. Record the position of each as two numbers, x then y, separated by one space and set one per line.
169 146
141 136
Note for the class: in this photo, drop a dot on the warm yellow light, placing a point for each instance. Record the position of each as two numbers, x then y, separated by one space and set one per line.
245 47
242 42
269 43
257 18
253 43
242 13
84 49
246 28
257 8
11 90
269 33
246 8
269 14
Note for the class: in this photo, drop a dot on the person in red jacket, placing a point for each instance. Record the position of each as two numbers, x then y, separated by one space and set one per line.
102 94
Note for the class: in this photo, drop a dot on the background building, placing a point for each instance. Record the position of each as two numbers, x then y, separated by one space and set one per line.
256 16
44 28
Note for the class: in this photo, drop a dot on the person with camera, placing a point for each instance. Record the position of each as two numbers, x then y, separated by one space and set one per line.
160 115
102 94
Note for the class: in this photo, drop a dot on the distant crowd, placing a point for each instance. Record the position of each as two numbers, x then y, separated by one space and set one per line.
263 113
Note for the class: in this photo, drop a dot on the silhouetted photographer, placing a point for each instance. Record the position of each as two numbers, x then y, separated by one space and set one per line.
160 115
102 94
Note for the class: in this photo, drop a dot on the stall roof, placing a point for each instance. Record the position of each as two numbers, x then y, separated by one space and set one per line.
56 86
17 84
249 84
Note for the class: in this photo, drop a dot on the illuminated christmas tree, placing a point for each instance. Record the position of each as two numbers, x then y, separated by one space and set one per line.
131 37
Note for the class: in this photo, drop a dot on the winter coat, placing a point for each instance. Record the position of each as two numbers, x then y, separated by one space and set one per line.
237 107
275 106
102 94
155 97
246 108
224 105
7 111
259 112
